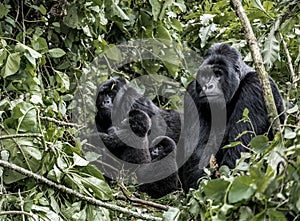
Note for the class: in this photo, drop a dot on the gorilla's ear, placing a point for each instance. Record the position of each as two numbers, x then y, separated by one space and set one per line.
244 68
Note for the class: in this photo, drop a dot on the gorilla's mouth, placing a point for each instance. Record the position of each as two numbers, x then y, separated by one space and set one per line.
208 96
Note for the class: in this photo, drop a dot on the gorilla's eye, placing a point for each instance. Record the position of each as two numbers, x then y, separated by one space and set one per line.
218 73
111 94
236 68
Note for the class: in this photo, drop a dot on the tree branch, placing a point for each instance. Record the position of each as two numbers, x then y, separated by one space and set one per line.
80 196
259 65
10 136
62 123
140 201
289 63
15 212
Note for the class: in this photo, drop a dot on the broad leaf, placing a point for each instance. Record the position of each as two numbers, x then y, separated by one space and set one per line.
259 143
12 64
216 189
156 7
56 52
241 189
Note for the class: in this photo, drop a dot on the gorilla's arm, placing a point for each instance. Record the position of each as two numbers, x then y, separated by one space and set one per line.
249 96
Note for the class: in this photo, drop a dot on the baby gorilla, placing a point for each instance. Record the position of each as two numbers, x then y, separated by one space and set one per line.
163 165
129 142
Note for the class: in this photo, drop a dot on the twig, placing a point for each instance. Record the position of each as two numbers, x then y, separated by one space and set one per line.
289 62
258 61
80 196
10 136
41 130
15 212
62 123
140 201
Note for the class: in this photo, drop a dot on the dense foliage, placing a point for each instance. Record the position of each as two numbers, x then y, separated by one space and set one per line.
48 47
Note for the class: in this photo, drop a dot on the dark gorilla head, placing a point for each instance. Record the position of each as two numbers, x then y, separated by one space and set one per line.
161 147
220 74
104 102
107 92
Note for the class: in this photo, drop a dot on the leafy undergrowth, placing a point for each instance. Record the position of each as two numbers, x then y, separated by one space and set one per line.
263 186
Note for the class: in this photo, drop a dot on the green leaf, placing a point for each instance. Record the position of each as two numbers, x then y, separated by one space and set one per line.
40 45
232 144
163 33
72 19
293 109
56 52
3 55
79 161
113 10
216 189
257 4
241 189
113 53
100 188
246 112
26 115
271 48
259 143
43 10
171 215
206 32
3 11
289 133
156 7
260 216
63 81
245 213
12 64
276 215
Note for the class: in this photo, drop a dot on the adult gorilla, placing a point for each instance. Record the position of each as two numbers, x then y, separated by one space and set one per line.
214 103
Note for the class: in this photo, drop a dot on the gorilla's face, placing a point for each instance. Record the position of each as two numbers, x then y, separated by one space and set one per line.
106 95
219 76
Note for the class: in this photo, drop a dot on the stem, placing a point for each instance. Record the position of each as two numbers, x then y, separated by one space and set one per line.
258 61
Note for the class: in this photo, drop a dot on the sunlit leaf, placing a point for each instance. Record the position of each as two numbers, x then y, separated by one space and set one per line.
172 214
289 133
156 7
241 189
79 161
12 64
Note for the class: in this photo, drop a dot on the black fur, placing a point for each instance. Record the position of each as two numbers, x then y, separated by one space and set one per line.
163 154
125 98
223 88
129 142
104 103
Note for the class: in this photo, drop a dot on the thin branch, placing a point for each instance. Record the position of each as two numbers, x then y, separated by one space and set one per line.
15 212
140 201
80 196
289 62
62 123
10 136
258 61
